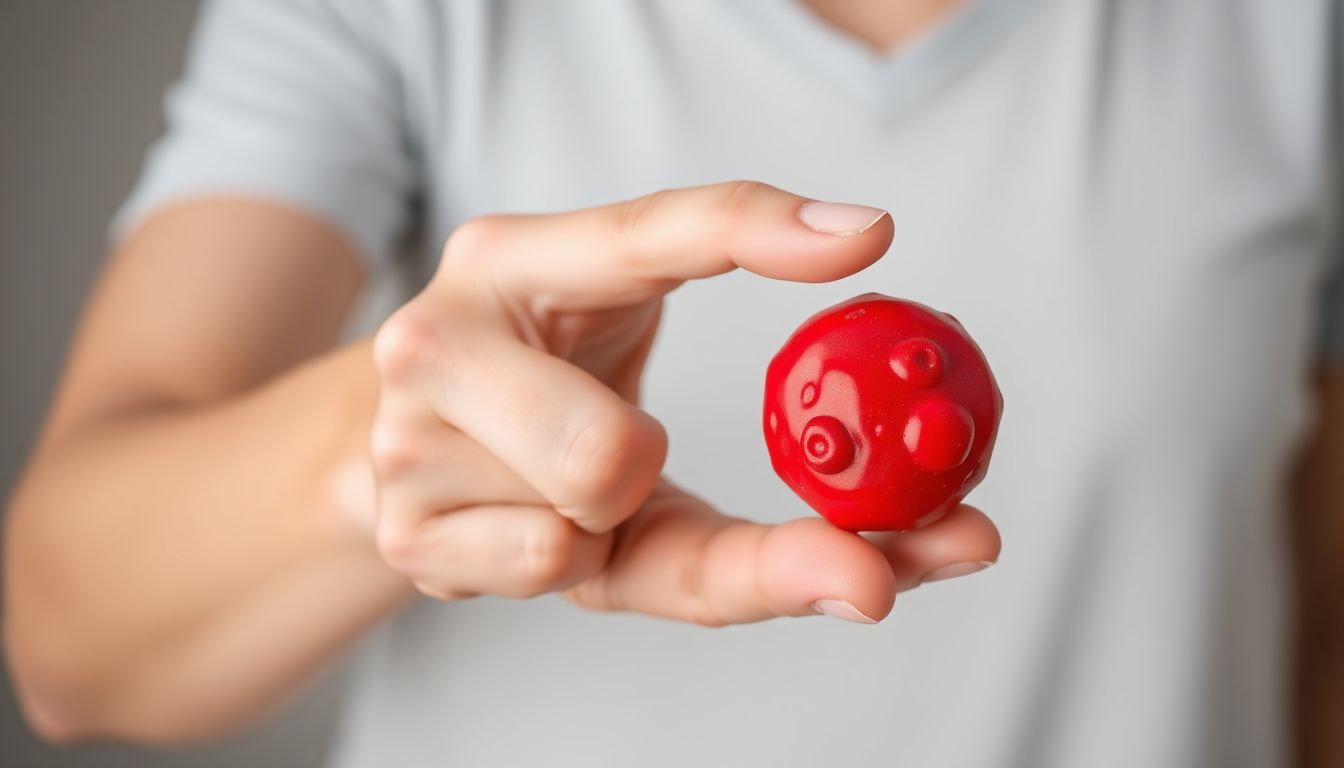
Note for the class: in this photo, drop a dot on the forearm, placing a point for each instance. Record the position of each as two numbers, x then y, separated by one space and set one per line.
170 573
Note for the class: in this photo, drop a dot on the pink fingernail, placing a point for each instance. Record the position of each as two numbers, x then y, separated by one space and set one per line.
841 609
956 569
840 219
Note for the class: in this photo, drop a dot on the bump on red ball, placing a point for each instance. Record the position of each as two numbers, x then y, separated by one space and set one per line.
881 413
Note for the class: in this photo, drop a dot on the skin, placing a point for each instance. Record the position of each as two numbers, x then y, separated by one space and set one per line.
223 500
143 569
880 24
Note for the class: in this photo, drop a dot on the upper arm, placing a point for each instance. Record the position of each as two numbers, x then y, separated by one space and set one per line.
206 299
284 174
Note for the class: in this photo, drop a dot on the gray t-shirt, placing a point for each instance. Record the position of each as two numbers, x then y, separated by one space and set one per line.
1123 201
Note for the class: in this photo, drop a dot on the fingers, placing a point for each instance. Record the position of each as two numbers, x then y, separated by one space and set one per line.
477 343
503 467
591 455
680 559
960 543
428 467
455 517
514 551
621 254
479 458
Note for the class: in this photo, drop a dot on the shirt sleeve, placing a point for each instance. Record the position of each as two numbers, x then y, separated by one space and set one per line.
292 101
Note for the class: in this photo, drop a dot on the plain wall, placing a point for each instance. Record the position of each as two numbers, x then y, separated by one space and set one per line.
81 85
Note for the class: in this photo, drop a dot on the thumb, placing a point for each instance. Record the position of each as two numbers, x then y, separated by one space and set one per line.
681 559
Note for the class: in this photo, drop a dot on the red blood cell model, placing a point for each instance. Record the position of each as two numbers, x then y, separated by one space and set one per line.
881 413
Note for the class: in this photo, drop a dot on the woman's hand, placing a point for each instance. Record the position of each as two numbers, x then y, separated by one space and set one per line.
510 452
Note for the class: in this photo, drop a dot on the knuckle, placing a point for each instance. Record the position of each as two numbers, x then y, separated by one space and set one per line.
633 215
403 343
474 238
598 458
393 451
697 608
707 619
594 594
397 544
737 198
438 593
545 555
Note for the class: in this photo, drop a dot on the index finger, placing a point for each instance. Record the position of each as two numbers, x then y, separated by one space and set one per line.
624 253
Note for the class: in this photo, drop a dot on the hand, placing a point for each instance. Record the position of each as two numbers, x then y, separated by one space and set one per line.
511 456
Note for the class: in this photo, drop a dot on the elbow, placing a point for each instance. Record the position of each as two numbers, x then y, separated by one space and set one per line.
65 701
77 675
45 689
41 683
43 700
69 690
64 707
47 724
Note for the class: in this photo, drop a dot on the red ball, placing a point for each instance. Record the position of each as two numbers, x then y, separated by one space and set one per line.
881 413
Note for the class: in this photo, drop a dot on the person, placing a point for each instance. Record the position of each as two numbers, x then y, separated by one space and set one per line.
1130 205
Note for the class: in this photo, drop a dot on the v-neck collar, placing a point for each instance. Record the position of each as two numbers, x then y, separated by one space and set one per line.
886 82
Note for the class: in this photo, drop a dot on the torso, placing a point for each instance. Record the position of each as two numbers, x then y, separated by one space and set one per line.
1120 201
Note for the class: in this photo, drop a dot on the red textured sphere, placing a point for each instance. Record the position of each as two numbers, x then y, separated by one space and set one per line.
881 413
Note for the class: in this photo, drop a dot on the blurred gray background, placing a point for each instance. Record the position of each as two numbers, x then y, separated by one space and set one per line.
80 90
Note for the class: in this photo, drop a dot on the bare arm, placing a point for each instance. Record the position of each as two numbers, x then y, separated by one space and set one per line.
178 556
1319 529
180 551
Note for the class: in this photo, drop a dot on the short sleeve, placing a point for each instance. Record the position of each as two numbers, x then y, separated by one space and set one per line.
293 101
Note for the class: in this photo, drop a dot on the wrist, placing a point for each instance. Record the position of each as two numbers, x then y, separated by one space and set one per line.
345 493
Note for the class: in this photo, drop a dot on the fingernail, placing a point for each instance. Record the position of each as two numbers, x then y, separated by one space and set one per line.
840 219
956 569
841 610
